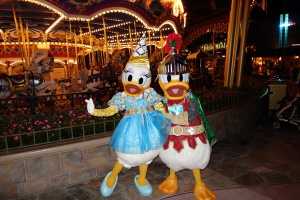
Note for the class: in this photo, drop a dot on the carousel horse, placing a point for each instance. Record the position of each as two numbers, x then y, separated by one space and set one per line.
68 85
41 63
31 81
90 79
65 85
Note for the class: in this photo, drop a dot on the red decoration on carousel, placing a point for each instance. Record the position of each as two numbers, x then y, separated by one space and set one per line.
173 40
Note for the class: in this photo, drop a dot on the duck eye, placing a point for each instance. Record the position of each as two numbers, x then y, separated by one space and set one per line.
143 80
169 78
184 77
165 78
128 76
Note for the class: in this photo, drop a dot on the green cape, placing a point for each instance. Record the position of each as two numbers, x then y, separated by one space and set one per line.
209 132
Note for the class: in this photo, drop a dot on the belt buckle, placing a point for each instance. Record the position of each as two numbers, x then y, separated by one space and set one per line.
181 130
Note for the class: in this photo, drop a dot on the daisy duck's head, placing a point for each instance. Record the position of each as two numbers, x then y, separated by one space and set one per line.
136 76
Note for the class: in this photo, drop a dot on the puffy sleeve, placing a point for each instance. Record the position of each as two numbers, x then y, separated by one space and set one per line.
155 98
118 101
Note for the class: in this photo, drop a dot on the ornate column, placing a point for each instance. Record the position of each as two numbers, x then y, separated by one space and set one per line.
230 37
236 39
244 33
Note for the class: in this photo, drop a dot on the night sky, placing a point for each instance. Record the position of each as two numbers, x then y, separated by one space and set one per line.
276 7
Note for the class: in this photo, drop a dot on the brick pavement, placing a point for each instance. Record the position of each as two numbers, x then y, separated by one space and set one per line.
260 162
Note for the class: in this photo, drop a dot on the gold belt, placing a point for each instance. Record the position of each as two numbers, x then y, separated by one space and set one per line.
190 130
139 110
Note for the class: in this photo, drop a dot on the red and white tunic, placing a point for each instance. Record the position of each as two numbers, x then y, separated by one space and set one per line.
189 150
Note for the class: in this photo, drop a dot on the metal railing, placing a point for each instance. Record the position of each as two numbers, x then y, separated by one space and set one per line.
34 105
40 104
10 142
233 100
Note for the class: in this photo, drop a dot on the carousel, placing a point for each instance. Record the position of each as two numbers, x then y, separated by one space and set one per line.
57 46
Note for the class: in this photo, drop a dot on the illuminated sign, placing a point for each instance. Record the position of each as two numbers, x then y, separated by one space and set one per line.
288 24
209 47
283 29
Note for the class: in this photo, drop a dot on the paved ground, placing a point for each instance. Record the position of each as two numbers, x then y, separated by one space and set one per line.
261 163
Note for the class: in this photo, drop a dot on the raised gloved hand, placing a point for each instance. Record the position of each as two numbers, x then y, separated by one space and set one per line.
90 105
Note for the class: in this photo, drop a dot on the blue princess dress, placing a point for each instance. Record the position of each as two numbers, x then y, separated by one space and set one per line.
142 129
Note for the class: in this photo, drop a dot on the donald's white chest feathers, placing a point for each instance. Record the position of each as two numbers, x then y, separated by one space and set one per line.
187 158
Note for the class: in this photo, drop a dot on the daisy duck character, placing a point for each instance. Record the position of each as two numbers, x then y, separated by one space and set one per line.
190 138
143 130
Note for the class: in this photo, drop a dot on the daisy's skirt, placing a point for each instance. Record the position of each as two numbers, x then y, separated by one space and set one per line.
141 132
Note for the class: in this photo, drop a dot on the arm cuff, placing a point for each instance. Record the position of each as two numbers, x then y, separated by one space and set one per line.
111 110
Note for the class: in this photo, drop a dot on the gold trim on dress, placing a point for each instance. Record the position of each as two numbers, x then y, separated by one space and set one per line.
138 110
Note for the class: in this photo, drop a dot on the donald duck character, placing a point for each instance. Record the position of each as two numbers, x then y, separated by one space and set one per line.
190 138
143 130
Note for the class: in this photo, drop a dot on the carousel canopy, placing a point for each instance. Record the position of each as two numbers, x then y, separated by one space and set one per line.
117 22
68 28
115 19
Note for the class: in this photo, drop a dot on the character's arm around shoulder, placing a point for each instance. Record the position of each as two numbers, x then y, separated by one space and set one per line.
158 105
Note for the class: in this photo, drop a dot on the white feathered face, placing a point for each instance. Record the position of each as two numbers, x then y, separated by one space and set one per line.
136 79
174 86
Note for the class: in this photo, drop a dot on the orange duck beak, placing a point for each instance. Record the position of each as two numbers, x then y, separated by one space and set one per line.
133 89
175 89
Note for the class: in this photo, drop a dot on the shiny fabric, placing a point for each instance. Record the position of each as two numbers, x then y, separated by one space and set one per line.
160 106
139 60
191 95
105 112
182 103
185 103
191 139
124 102
141 132
139 110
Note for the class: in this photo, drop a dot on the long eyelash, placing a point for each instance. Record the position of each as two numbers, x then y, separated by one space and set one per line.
148 75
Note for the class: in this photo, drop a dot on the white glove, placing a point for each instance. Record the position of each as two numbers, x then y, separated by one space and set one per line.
90 105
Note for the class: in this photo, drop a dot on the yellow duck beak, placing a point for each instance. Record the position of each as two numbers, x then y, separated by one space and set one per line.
175 89
133 89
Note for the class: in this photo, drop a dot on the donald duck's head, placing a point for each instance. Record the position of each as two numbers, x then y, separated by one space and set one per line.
173 73
136 76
